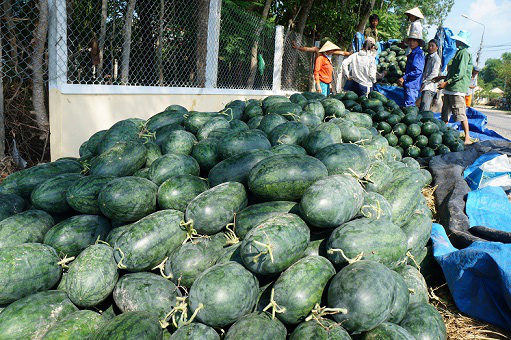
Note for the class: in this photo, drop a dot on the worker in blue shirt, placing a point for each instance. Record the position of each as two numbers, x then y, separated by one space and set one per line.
412 79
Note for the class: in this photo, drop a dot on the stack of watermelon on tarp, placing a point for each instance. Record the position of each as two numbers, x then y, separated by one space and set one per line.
286 216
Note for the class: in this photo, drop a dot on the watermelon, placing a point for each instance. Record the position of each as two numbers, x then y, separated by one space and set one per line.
213 286
331 201
270 100
317 140
234 109
360 119
76 233
130 325
238 125
378 176
82 195
333 107
236 168
288 133
435 140
427 152
214 123
123 131
32 316
401 299
179 142
93 142
77 325
50 196
26 269
299 99
145 292
195 330
310 120
254 122
284 177
147 242
349 159
214 208
257 325
412 151
350 133
195 120
315 107
252 216
192 258
10 204
413 130
238 142
300 287
164 118
405 141
253 110
286 109
122 159
392 139
416 284
153 152
442 149
393 119
333 130
26 227
291 149
373 239
176 192
172 165
399 129
128 199
164 131
384 127
270 121
369 279
206 154
325 329
286 235
423 321
387 330
375 207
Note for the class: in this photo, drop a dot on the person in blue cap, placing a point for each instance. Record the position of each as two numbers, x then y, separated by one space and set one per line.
457 82
412 80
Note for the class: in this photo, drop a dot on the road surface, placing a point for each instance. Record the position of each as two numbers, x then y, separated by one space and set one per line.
499 121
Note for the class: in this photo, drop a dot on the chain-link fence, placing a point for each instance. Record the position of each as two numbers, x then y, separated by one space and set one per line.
165 43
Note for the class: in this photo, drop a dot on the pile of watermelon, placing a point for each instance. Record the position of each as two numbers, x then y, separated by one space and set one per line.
393 61
415 134
274 218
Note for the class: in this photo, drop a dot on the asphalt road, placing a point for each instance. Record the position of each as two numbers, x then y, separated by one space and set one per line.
499 121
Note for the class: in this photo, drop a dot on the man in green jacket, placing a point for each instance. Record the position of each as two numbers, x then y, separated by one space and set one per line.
457 82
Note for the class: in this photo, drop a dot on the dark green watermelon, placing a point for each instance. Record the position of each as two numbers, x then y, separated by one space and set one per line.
423 321
288 133
10 204
206 154
388 331
50 196
77 325
348 159
178 141
122 159
131 325
325 329
257 325
82 195
172 165
242 141
27 227
176 192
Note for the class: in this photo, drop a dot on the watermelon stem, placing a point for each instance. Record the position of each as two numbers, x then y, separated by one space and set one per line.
409 255
120 265
377 208
181 306
65 261
224 112
292 115
275 308
161 267
230 235
269 248
319 312
329 117
101 242
191 233
279 141
347 259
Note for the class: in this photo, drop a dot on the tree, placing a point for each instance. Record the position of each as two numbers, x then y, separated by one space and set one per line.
201 48
159 43
38 87
255 46
2 115
102 36
126 46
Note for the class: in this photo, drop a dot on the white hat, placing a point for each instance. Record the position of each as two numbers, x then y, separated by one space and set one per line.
416 36
415 12
329 46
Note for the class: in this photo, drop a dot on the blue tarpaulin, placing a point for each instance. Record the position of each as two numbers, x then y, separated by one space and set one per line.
395 93
447 45
489 207
479 277
491 168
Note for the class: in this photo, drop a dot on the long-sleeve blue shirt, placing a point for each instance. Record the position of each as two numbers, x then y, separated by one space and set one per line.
414 68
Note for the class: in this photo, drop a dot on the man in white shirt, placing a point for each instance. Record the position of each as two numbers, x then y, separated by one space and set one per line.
363 68
429 88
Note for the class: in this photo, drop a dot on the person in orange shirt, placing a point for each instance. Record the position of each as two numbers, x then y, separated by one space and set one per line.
323 69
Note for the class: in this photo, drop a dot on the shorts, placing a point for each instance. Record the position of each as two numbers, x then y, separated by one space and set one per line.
468 100
325 88
456 105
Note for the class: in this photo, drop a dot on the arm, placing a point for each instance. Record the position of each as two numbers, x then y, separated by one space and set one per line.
317 67
304 48
344 53
372 71
345 66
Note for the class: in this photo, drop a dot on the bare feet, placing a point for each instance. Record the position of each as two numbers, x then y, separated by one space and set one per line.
468 142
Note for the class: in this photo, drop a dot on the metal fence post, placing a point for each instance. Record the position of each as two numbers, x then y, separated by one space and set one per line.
215 10
277 58
57 43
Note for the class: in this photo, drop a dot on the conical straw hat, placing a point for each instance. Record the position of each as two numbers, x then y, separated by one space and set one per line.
329 46
415 12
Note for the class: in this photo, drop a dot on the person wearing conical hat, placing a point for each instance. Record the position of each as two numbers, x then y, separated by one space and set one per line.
412 79
323 68
414 16
457 82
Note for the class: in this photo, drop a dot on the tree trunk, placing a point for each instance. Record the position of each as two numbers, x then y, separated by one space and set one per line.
366 9
159 43
11 37
102 35
126 45
300 27
201 48
2 115
146 70
39 42
255 46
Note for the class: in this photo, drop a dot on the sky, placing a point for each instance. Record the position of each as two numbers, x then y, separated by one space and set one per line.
494 14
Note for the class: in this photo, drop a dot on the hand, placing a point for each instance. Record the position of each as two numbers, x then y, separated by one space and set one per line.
293 44
438 78
442 85
350 79
400 81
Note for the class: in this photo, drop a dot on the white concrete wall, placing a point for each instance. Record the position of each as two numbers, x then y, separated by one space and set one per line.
74 117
